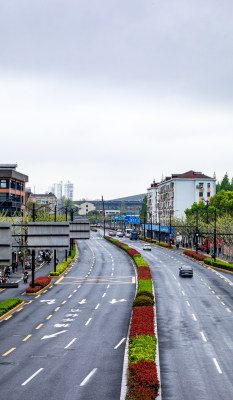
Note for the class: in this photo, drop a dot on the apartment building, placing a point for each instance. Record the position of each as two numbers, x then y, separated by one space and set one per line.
61 189
152 203
12 189
180 191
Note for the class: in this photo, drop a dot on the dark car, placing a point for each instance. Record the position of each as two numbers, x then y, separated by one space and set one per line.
186 270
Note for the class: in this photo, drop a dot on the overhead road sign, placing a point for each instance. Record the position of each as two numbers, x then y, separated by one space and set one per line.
49 235
5 243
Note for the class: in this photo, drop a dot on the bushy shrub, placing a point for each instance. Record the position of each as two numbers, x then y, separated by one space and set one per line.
33 290
132 252
140 301
218 264
193 254
125 247
145 284
42 281
144 273
139 261
59 269
142 347
143 381
8 304
165 245
145 293
142 322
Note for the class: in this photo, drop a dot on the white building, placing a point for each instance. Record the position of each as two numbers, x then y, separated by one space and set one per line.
68 190
61 189
178 192
152 203
85 207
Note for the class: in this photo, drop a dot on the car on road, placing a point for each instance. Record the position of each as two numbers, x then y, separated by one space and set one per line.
147 246
186 270
119 234
112 233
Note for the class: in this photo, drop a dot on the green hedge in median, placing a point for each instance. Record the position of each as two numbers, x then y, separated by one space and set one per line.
139 261
8 304
59 269
142 347
145 284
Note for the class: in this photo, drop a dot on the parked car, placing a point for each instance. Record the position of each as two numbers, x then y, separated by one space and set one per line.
186 270
147 246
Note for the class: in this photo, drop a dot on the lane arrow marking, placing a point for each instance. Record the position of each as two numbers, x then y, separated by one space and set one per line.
48 301
53 335
113 301
82 301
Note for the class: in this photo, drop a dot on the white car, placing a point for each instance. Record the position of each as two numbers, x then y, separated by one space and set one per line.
120 234
147 246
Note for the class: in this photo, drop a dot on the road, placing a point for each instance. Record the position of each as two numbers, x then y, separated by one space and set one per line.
69 342
195 325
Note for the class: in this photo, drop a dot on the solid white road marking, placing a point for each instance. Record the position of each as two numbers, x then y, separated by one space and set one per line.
31 377
88 377
217 365
68 345
194 317
122 340
203 337
88 321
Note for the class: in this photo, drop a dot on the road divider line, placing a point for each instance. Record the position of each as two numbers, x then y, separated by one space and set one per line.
88 377
26 338
203 337
56 309
31 377
39 326
96 308
118 345
69 344
188 304
9 351
228 309
89 320
222 303
64 302
108 286
194 317
217 366
50 316
104 295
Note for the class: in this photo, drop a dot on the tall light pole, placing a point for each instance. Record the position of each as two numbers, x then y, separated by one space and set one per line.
103 213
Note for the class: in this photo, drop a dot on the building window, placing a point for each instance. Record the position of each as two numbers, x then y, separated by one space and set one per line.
200 194
208 185
208 194
3 183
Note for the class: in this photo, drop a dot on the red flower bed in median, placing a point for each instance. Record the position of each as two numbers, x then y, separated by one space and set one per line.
132 252
42 281
119 244
142 322
143 374
144 273
33 290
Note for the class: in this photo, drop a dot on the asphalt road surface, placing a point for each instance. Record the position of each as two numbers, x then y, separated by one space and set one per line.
68 342
195 327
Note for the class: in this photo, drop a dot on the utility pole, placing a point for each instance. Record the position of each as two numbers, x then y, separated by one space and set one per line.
215 247
196 234
103 213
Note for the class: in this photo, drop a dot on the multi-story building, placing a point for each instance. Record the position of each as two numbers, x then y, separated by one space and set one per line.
85 207
68 190
152 203
61 189
180 191
176 193
12 189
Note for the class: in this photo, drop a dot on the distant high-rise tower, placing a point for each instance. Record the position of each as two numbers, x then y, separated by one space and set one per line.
61 189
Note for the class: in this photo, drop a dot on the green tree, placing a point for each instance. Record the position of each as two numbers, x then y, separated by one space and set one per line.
143 212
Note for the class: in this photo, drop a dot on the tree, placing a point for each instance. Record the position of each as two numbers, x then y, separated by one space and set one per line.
143 213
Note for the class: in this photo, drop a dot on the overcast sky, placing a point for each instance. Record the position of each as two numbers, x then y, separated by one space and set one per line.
112 94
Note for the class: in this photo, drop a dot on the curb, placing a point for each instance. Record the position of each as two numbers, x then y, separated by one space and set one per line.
39 291
10 311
